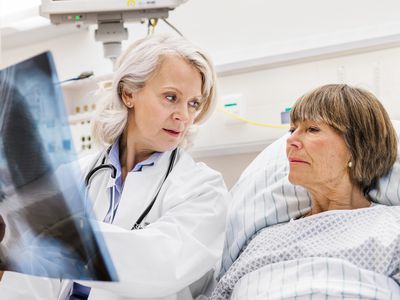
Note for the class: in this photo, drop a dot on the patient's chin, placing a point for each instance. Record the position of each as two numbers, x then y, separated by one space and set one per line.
296 179
292 179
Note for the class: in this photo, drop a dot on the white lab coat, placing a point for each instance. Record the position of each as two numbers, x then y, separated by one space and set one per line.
171 258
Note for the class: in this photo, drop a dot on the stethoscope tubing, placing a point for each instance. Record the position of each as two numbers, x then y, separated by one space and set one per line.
103 165
95 170
150 206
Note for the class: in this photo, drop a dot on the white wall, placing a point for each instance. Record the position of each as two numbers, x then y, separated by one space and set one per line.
267 92
232 30
236 32
231 166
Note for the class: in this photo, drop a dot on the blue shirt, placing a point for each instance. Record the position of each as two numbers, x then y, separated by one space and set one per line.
118 187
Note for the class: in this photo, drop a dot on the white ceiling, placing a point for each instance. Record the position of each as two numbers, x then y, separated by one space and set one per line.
21 15
21 24
10 6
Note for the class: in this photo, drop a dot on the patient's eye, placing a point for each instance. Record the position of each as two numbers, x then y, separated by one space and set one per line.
292 129
313 129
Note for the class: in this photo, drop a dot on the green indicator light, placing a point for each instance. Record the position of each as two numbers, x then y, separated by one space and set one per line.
77 18
230 104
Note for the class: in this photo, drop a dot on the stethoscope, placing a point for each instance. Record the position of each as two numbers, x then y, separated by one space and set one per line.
103 165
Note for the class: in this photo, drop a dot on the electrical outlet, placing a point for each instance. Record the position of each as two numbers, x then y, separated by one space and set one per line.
233 104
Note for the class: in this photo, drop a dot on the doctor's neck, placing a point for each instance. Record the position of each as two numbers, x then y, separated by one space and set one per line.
131 153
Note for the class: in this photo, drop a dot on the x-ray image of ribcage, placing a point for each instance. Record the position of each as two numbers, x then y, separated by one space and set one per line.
42 205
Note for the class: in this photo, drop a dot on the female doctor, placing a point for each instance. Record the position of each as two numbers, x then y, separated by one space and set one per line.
166 249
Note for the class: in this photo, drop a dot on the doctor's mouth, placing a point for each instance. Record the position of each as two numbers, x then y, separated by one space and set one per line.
173 132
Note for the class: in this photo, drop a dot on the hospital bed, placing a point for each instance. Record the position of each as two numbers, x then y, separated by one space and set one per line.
270 253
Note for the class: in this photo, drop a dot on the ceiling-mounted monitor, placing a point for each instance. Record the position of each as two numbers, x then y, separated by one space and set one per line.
110 16
90 12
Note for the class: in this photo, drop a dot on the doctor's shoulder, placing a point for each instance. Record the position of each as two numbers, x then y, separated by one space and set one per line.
78 167
196 179
198 172
89 161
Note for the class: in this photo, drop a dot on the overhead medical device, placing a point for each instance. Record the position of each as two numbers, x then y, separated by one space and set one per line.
109 15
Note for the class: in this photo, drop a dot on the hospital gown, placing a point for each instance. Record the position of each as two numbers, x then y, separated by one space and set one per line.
336 254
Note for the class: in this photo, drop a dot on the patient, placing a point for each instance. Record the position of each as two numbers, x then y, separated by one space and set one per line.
341 142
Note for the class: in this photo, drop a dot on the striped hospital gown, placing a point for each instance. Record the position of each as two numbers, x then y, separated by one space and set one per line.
263 197
332 255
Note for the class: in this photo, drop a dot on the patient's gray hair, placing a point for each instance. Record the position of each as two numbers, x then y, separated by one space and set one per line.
134 67
364 123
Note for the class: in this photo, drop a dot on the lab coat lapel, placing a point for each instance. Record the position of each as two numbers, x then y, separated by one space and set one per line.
100 184
139 190
66 286
100 193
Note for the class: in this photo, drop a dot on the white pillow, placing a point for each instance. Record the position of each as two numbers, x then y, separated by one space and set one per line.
263 196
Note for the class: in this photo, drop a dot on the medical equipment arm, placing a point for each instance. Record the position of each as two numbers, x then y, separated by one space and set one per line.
109 15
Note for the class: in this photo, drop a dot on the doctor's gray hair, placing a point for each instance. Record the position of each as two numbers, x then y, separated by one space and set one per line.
362 121
135 66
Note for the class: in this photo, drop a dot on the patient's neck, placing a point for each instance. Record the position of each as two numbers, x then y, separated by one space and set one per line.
345 197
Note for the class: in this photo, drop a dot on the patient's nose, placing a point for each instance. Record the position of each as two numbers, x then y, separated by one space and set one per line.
294 141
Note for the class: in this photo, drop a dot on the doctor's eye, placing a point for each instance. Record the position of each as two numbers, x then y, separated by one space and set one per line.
195 104
171 98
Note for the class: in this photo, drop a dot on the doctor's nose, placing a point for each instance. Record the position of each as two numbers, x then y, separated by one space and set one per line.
181 113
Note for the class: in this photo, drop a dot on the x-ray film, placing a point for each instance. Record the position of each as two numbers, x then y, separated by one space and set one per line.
45 222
